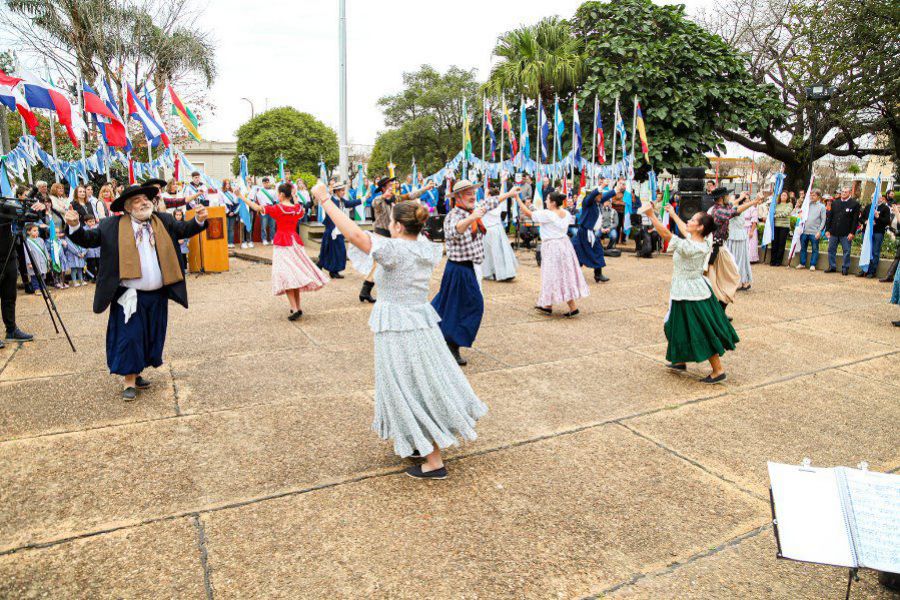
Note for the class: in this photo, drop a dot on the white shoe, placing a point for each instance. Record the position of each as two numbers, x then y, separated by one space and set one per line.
265 242
800 266
231 245
243 244
812 268
250 245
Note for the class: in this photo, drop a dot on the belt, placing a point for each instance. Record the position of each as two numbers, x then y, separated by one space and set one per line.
463 263
382 231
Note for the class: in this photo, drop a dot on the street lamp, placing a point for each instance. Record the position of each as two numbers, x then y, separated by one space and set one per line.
816 94
252 112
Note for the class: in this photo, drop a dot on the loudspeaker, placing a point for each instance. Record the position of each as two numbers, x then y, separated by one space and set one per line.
688 204
690 185
692 173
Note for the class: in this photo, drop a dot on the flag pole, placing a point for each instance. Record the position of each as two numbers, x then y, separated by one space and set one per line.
52 132
615 130
27 165
483 132
555 132
538 180
80 91
572 166
633 135
594 145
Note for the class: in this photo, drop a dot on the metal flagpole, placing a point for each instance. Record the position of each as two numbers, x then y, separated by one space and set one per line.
555 134
633 131
594 145
483 133
52 132
27 165
572 166
615 130
344 164
464 168
80 91
539 180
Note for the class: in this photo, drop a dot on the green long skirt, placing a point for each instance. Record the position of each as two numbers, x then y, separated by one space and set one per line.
697 329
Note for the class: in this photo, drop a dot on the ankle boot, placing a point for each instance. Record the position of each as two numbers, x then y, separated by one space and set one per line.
454 350
891 272
365 294
599 276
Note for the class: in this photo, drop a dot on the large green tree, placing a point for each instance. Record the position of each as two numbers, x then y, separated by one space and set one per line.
852 46
302 139
690 83
544 60
425 120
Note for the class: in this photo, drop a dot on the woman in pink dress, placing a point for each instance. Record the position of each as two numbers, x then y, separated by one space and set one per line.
292 270
562 281
751 221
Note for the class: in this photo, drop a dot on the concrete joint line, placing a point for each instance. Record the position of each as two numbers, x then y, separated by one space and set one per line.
9 358
174 390
693 462
677 565
204 557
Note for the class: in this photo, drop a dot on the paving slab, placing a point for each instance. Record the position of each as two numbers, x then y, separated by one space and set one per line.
213 335
44 358
832 417
64 485
750 570
885 369
543 341
872 324
564 517
773 352
81 401
159 560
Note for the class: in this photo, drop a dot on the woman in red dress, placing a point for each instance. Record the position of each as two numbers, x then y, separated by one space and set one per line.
292 270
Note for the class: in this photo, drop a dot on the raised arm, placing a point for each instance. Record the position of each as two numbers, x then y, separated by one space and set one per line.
345 224
86 238
522 207
661 229
413 195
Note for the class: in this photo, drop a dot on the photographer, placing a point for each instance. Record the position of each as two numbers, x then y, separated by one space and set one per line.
8 273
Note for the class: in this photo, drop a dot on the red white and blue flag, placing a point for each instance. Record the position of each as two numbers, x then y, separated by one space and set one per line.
109 99
598 126
152 108
489 124
40 94
12 98
153 131
111 126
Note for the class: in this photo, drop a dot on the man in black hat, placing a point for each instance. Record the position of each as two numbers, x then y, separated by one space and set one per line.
139 273
160 204
382 206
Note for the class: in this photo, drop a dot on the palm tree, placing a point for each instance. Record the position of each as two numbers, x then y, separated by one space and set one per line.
543 59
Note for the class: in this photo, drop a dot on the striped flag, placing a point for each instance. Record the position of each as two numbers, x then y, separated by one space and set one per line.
801 222
506 124
620 125
188 119
769 229
153 131
559 128
360 212
642 132
543 128
489 125
467 136
524 139
598 127
12 98
576 131
865 252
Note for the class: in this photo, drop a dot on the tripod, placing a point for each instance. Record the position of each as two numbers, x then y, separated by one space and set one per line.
45 292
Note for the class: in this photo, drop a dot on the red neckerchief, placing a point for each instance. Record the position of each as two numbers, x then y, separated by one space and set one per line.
476 226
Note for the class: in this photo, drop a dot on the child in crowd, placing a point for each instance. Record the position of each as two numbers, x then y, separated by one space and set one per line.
91 255
178 213
37 251
74 257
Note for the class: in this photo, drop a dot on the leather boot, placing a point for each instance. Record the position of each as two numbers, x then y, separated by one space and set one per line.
365 294
599 276
891 272
454 350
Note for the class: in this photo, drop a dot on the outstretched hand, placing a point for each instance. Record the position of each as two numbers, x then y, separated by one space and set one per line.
71 218
319 193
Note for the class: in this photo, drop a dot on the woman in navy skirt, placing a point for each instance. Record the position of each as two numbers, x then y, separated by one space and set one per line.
333 253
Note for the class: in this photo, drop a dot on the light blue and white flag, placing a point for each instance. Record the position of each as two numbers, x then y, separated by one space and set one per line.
865 252
769 229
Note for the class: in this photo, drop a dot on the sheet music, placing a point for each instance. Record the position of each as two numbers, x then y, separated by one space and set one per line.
811 524
875 498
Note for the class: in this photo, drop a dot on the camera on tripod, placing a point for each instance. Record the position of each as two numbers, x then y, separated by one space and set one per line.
13 210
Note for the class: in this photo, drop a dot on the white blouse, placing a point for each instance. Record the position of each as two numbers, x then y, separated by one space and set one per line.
552 226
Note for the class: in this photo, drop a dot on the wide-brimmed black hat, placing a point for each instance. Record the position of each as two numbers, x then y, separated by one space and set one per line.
719 193
118 205
384 181
155 181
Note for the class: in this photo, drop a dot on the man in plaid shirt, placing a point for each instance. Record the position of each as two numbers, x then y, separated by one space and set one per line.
459 301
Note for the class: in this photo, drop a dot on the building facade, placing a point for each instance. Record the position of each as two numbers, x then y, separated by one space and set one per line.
213 158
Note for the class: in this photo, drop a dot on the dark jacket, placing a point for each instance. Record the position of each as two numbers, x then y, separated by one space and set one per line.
882 217
843 218
590 208
106 237
85 211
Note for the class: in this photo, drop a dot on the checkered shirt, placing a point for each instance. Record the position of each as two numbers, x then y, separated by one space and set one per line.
465 246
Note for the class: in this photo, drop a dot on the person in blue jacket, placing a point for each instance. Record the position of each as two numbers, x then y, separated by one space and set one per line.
587 242
333 253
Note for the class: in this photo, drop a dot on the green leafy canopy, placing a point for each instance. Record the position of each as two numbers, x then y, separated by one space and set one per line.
302 139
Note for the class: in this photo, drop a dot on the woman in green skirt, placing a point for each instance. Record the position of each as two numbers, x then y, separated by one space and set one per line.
696 326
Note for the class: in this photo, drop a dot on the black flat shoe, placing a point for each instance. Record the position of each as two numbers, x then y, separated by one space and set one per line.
572 313
546 311
416 472
295 316
129 394
335 275
454 350
895 323
676 367
711 379
141 383
415 454
17 335
830 270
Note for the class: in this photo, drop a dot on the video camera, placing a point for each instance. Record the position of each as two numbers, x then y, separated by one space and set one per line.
13 210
